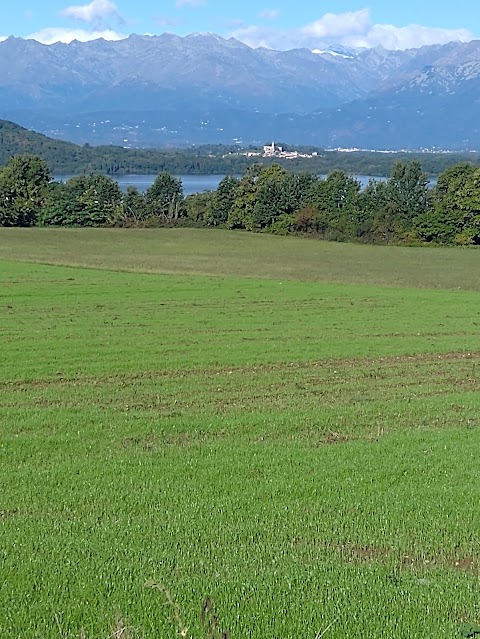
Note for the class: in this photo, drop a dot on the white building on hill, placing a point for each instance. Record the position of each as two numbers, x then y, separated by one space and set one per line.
272 149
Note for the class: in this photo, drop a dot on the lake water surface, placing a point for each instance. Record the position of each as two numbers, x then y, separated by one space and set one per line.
192 183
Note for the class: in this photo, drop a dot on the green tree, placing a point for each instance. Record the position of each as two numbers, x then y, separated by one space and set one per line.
374 219
407 192
58 206
241 215
455 200
270 196
336 200
467 211
164 197
224 199
200 207
298 187
86 200
135 209
23 188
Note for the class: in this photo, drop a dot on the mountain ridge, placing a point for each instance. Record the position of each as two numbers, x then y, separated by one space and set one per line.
170 90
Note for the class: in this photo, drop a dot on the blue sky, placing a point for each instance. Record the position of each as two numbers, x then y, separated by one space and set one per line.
278 24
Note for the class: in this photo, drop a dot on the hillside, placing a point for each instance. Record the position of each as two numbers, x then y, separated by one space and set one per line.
66 157
16 140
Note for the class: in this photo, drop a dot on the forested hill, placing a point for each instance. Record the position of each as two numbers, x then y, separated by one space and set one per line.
65 158
15 140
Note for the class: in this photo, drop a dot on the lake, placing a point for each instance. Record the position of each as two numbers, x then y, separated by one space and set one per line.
193 183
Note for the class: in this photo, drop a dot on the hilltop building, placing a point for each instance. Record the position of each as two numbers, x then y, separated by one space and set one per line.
272 149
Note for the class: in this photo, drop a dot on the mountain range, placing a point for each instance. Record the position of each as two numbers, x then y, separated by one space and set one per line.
177 91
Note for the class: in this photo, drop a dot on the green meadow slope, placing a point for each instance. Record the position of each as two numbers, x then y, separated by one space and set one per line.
304 453
237 254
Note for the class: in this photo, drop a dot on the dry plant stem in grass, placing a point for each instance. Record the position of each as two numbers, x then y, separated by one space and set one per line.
181 627
210 621
120 630
322 633
208 616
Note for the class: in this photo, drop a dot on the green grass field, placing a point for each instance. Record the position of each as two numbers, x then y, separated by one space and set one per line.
289 427
242 254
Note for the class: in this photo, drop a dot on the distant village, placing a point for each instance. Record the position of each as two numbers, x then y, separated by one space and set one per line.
277 151
274 150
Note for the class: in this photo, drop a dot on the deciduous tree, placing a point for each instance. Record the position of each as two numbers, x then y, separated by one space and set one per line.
164 198
23 187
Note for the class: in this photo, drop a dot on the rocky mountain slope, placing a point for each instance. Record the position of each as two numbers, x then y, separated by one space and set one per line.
169 90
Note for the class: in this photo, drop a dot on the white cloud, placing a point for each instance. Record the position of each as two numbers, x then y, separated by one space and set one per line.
269 14
264 37
338 25
410 37
54 34
93 13
2 38
352 29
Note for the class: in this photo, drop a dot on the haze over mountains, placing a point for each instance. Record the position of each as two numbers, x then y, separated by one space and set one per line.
170 91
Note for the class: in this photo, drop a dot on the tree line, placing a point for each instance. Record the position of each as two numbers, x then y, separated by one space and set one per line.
400 209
